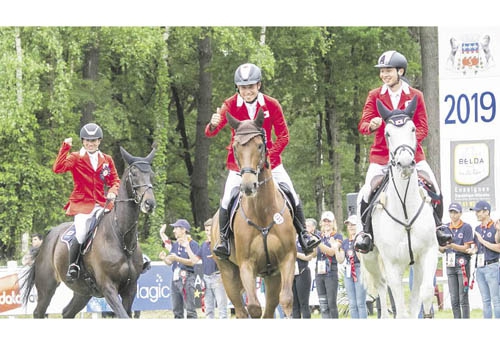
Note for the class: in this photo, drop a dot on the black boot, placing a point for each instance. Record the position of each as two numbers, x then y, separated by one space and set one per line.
363 242
73 269
443 238
222 249
307 240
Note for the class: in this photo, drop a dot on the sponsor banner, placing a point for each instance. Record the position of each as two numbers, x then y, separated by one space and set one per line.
469 86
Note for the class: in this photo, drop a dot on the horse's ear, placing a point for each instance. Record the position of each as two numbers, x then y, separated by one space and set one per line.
411 107
232 121
126 156
382 110
151 155
259 120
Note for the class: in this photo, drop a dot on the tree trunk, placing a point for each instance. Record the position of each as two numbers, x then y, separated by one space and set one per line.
90 72
199 183
430 88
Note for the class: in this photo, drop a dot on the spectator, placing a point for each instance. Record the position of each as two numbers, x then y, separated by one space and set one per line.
487 254
302 280
327 280
356 291
215 295
36 242
183 277
458 262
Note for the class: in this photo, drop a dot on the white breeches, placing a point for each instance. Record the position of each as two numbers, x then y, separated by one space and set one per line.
378 169
234 180
81 223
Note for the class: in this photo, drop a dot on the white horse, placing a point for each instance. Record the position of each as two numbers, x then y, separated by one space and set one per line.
403 224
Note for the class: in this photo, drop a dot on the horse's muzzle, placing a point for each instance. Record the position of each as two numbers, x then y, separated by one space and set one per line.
148 205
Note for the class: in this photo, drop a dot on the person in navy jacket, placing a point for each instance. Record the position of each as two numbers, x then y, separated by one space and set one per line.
458 262
487 252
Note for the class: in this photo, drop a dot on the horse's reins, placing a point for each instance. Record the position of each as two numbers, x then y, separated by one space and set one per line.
407 225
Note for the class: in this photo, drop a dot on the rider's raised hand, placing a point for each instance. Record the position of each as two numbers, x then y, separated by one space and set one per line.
69 141
215 120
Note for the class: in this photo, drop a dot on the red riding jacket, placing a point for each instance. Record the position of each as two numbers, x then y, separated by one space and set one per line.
89 185
273 119
379 153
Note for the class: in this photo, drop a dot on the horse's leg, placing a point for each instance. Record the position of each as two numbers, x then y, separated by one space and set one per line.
272 284
427 276
395 281
287 269
373 278
128 294
110 293
46 286
248 280
77 303
231 280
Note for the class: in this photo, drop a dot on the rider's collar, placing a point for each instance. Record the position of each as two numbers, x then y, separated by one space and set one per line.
260 99
83 152
404 88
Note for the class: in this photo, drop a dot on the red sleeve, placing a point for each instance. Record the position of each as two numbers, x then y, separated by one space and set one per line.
209 132
63 162
280 130
420 118
369 112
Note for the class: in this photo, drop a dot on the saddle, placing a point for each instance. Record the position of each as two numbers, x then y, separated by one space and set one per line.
235 202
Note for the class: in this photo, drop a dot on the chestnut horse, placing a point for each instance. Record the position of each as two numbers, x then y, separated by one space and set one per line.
264 236
112 263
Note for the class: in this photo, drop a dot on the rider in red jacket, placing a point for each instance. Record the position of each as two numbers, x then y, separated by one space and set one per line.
93 172
395 93
244 105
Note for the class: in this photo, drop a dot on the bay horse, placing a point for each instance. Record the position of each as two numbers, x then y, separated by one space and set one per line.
113 261
403 224
263 244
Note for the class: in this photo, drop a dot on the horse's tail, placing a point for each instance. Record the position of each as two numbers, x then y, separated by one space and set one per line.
27 279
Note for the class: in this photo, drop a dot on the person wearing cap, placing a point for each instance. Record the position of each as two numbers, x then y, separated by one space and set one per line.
302 280
244 105
215 294
356 291
458 262
181 259
395 93
487 252
93 172
326 270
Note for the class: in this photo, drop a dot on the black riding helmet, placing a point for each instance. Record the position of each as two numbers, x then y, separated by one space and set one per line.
247 74
91 131
392 59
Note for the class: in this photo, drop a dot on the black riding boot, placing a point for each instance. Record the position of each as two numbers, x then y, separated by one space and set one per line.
223 249
443 238
307 240
73 269
363 241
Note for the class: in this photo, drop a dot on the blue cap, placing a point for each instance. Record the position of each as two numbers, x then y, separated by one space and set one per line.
455 206
481 205
182 223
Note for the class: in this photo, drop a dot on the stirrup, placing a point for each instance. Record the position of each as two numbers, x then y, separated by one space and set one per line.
222 251
73 272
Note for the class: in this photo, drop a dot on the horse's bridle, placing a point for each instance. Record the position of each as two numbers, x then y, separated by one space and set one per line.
137 199
262 162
